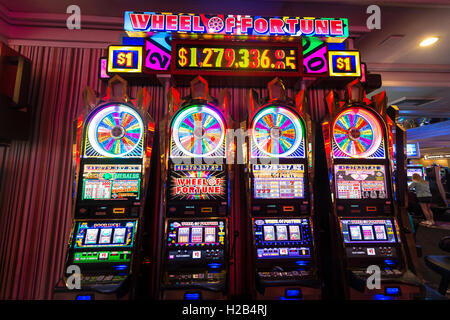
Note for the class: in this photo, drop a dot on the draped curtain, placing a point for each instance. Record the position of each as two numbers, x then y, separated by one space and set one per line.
36 180
36 197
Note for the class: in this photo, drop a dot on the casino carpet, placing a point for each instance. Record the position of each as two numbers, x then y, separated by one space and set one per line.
428 238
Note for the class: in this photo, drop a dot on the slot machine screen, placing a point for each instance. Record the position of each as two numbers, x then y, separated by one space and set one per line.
282 238
197 182
411 171
94 234
360 181
371 231
412 150
278 181
111 182
196 233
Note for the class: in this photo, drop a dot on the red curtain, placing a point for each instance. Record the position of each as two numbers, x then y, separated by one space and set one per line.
36 195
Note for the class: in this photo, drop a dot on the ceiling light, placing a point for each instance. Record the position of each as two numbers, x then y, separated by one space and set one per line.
428 41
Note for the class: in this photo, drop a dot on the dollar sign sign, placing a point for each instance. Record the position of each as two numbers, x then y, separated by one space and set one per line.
340 63
182 55
121 58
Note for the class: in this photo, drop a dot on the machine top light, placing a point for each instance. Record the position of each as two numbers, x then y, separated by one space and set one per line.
115 131
198 131
357 134
277 132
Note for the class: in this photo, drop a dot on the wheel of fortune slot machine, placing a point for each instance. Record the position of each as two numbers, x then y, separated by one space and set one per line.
369 244
112 151
280 202
196 199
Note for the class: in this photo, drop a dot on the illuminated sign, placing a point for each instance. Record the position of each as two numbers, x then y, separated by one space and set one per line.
412 150
344 63
315 59
125 59
236 57
235 25
157 52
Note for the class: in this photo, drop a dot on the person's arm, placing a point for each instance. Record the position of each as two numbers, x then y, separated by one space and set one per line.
411 186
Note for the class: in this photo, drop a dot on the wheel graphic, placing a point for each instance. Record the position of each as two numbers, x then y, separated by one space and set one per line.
357 133
277 132
116 131
215 24
198 131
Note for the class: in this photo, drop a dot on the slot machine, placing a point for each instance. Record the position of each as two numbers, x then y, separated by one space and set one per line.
365 215
112 152
280 198
412 169
196 198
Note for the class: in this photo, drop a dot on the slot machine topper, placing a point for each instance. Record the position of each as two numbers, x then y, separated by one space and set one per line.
365 214
113 141
196 198
280 196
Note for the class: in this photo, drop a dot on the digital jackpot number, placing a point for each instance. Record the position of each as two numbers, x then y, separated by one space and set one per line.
225 58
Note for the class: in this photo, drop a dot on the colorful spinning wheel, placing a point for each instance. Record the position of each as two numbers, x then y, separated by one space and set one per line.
357 133
215 24
277 132
116 131
198 131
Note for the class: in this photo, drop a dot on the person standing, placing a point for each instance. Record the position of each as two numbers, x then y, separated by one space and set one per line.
423 193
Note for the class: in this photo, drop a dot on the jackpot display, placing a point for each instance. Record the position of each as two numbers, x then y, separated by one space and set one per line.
235 24
237 58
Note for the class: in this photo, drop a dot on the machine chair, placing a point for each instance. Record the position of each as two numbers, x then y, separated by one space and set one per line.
441 265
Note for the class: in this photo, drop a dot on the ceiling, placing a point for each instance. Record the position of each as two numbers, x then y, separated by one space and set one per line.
408 71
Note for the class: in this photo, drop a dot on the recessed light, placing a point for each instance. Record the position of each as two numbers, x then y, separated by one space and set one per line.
429 41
